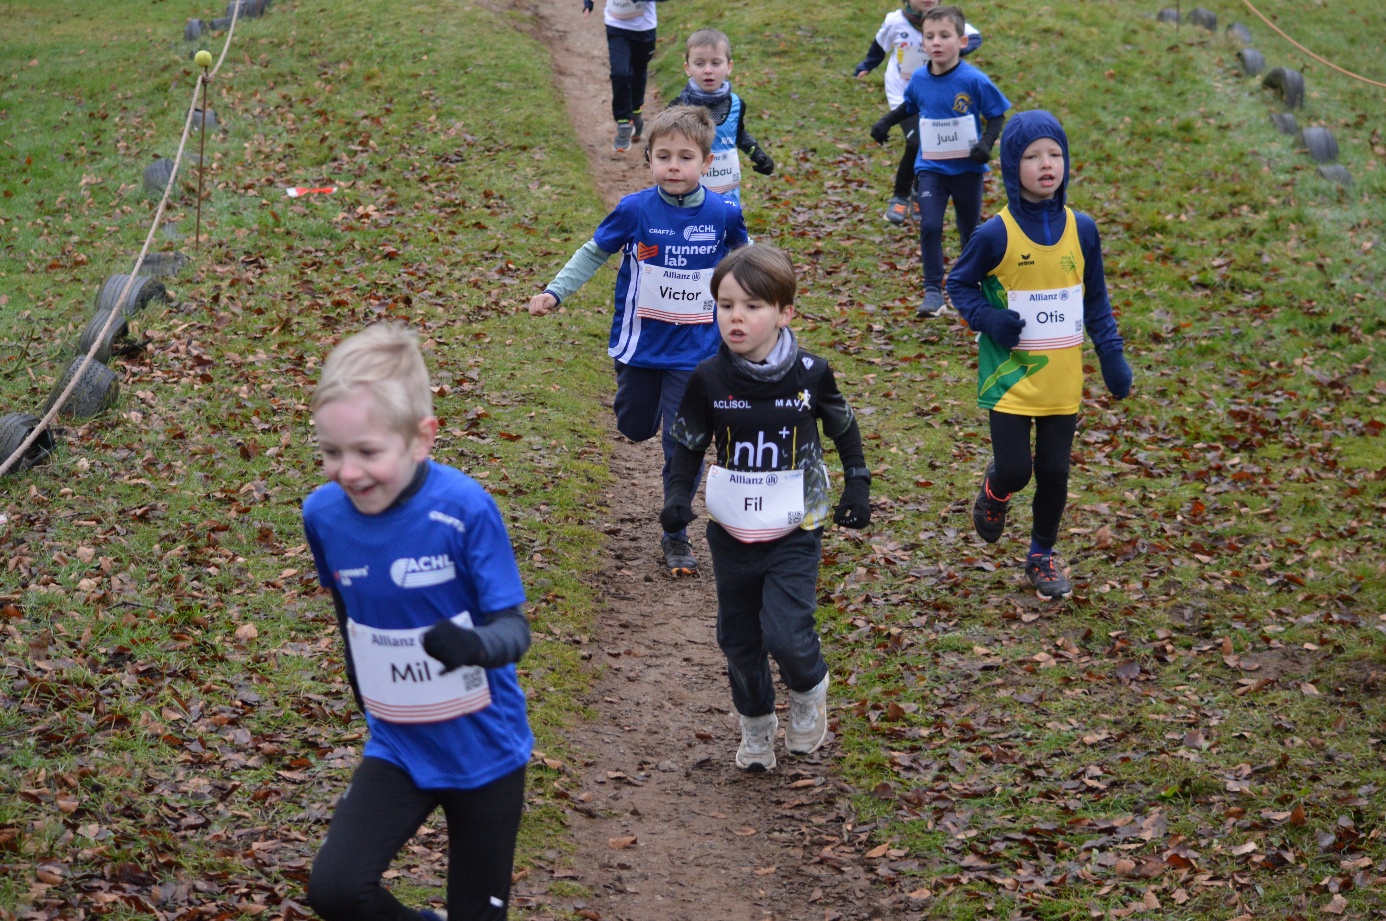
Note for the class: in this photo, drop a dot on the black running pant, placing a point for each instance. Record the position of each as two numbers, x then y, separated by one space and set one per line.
1010 445
904 173
378 814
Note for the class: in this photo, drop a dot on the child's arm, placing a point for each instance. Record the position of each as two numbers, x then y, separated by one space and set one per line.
339 606
980 152
881 130
691 431
840 424
983 253
503 639
874 56
581 267
760 160
1098 320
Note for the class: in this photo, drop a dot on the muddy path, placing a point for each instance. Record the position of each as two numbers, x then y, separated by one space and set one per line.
666 827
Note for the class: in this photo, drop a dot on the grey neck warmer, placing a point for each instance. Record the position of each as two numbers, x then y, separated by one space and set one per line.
775 365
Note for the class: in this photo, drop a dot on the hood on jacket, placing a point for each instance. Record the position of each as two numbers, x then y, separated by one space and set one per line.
1021 131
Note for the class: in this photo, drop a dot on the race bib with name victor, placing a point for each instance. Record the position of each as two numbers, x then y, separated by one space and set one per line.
675 295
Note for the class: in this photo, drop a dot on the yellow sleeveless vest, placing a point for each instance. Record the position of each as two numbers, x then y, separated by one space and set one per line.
1043 376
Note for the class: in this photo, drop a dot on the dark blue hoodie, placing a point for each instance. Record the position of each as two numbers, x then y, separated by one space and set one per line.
1043 222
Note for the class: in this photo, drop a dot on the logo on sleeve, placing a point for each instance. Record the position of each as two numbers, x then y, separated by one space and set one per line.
448 520
645 253
423 571
344 576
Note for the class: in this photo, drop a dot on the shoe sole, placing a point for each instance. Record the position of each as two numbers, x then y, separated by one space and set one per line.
807 751
755 767
1043 597
679 572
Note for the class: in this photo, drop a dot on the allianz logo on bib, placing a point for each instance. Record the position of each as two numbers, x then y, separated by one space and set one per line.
344 576
700 233
423 571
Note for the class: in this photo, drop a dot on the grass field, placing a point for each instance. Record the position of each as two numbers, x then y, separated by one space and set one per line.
1199 729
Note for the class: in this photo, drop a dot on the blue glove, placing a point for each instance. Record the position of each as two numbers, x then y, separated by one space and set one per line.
1116 373
452 645
676 515
1000 326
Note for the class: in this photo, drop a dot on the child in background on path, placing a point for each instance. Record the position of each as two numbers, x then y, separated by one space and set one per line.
759 401
429 605
949 98
707 60
670 238
630 43
1018 283
900 44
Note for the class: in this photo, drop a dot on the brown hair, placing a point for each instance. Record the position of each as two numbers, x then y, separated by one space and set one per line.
385 360
693 122
763 271
951 13
707 38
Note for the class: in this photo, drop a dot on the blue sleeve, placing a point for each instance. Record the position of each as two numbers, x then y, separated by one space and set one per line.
991 102
1098 320
736 227
616 231
487 557
315 545
874 56
982 253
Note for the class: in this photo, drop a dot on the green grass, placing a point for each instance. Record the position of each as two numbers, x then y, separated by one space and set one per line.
1216 681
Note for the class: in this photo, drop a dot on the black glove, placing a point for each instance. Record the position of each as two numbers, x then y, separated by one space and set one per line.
880 131
980 152
452 645
1000 326
676 515
854 511
1116 373
761 162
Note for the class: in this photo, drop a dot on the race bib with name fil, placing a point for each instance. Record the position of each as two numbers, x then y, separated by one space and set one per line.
1053 318
400 683
681 296
755 507
725 172
947 138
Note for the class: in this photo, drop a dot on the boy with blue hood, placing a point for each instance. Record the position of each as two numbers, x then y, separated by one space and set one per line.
1019 283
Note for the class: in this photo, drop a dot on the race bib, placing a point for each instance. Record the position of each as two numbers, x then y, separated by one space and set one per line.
909 59
675 295
625 9
755 507
1053 318
946 138
400 683
725 172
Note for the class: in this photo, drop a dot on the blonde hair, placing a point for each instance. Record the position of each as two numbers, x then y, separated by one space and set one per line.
762 271
385 360
707 38
693 122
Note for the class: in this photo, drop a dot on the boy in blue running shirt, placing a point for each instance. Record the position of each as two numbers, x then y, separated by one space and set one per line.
429 605
951 99
670 238
707 61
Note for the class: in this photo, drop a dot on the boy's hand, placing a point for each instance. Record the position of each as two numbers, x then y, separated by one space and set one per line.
880 131
761 162
676 515
1000 326
541 304
980 152
854 511
1116 373
452 645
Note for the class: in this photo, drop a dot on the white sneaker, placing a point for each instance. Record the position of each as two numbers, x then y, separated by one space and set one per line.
808 719
757 750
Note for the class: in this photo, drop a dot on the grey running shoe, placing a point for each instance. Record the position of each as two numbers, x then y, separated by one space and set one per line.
933 304
757 749
624 131
896 210
678 556
1045 576
989 512
808 719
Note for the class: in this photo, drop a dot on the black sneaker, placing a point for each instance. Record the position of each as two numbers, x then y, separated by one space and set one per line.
1045 576
639 123
988 512
678 556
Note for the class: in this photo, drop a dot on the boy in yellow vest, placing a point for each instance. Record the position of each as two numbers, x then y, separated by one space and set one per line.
1030 282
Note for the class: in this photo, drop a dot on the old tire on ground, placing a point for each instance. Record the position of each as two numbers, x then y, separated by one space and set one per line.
144 290
14 428
1167 15
192 30
1323 147
207 119
1285 122
1289 83
1205 19
157 175
1336 173
96 390
120 329
1253 61
1239 33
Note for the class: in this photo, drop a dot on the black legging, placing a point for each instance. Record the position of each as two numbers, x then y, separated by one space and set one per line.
1010 445
904 173
381 810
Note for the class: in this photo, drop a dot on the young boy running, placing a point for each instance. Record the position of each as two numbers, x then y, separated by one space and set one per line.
670 238
901 45
630 43
759 401
708 62
1018 283
429 605
950 98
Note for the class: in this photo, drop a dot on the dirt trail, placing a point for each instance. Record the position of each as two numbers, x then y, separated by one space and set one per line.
711 843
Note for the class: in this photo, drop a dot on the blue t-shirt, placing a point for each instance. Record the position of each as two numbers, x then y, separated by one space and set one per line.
647 230
442 551
964 90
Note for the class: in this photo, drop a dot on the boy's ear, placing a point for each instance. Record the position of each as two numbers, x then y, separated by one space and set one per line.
425 436
786 314
707 161
647 153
